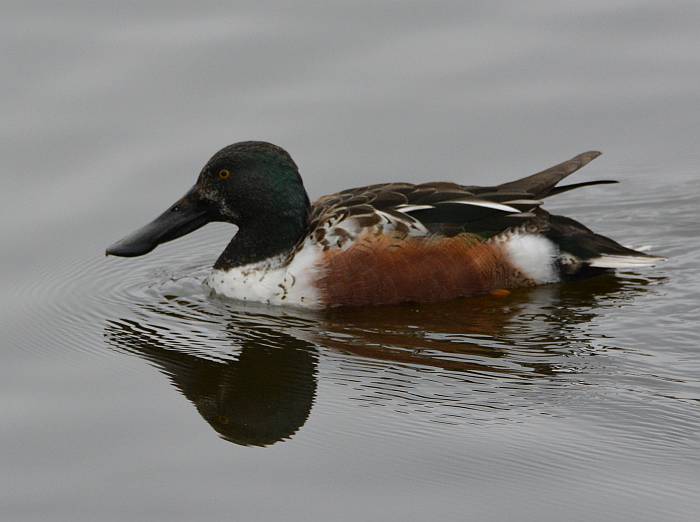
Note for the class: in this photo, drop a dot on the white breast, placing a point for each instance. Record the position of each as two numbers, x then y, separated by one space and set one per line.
535 256
272 281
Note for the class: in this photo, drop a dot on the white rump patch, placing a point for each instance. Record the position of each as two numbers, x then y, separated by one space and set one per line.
535 256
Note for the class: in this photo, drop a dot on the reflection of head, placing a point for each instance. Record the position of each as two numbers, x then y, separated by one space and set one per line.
262 397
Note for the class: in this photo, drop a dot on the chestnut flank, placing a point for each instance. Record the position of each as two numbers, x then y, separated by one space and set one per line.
385 270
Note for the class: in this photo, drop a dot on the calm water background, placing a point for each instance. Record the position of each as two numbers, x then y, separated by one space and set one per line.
126 393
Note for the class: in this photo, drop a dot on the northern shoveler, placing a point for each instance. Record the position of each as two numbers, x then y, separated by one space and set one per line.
380 244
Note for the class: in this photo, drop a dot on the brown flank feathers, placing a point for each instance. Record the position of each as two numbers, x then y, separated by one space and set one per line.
379 269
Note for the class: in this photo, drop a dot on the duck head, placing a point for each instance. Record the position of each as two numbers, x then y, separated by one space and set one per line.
254 185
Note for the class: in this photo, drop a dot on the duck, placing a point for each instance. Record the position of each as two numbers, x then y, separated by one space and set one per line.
381 244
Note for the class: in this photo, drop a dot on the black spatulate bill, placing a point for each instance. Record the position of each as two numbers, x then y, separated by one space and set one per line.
186 215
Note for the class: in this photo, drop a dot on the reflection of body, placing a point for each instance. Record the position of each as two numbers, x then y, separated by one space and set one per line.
266 393
480 334
380 244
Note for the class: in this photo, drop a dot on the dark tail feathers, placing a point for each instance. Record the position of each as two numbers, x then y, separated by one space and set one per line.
593 250
543 184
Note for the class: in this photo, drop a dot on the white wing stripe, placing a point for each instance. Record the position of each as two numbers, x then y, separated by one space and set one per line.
411 208
533 202
485 204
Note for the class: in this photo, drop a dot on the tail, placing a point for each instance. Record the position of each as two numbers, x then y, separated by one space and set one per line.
583 249
543 184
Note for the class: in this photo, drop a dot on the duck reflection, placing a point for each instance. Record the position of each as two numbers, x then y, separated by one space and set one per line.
252 372
262 396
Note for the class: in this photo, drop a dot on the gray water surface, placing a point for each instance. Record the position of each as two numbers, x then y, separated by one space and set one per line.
128 393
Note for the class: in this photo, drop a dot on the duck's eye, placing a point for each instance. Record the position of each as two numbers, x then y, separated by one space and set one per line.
224 174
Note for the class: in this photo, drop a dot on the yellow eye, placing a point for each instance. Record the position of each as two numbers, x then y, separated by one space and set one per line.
224 174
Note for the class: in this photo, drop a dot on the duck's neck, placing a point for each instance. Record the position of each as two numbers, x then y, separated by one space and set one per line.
263 239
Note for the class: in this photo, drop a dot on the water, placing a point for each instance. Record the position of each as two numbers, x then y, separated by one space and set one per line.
127 393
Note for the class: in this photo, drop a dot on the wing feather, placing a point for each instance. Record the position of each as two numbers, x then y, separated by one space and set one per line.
445 207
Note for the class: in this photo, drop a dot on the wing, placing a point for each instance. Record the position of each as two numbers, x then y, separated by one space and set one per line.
404 209
442 208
